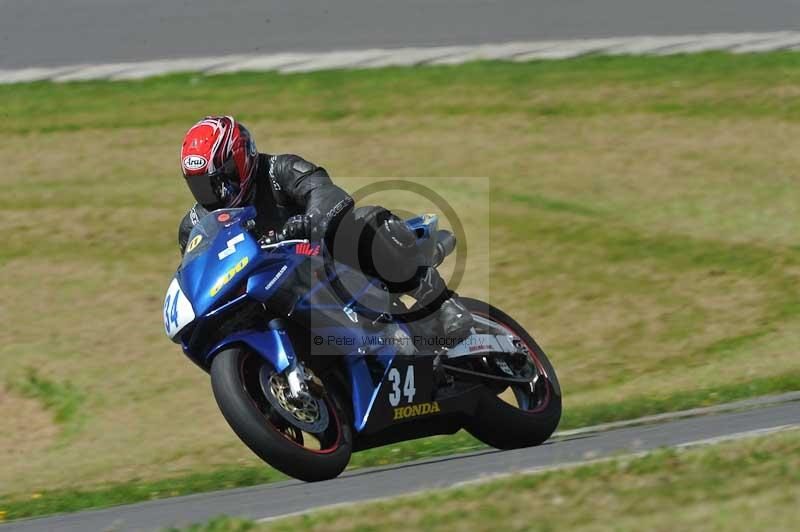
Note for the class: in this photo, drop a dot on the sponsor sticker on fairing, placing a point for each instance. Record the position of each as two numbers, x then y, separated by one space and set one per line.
423 409
305 248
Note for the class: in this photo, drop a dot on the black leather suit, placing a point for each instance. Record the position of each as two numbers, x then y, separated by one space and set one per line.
288 185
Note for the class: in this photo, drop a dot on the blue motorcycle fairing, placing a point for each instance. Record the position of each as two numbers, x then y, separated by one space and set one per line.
222 255
358 344
228 253
424 226
272 272
273 346
363 390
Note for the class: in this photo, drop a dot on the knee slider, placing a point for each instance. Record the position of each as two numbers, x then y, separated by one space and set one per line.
397 232
394 253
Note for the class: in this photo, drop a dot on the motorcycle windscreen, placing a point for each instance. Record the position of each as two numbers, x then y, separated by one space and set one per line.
218 256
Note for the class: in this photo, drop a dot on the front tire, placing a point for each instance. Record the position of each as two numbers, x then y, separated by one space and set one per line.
506 426
234 381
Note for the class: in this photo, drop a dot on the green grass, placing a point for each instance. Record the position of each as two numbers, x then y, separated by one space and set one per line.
72 500
46 502
62 399
640 219
742 485
332 96
540 202
59 501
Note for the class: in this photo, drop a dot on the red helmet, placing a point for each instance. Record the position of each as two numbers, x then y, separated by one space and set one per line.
218 159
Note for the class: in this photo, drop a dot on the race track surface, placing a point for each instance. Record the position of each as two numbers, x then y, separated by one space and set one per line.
48 33
283 498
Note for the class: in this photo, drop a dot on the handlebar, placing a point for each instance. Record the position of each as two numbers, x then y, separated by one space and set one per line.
270 240
279 240
445 244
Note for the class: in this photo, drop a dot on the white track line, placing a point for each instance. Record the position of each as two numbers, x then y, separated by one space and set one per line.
541 469
694 412
738 436
436 55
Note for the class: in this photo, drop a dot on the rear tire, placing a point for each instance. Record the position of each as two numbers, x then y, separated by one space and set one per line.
505 426
240 407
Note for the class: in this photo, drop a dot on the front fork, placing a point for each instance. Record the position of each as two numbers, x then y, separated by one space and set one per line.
296 376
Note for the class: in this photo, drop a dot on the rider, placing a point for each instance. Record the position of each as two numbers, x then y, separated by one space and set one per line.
297 199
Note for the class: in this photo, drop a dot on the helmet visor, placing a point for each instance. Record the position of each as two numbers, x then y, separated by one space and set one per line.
213 190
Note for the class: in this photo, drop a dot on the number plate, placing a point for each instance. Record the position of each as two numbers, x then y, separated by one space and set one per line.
178 311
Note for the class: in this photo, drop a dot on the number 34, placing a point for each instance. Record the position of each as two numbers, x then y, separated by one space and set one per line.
408 387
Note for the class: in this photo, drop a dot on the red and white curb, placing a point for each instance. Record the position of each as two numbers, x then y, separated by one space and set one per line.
435 55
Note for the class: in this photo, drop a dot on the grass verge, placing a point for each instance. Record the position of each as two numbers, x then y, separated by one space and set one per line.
744 485
62 399
70 500
640 221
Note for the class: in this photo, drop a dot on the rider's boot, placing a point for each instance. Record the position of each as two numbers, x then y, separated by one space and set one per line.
453 317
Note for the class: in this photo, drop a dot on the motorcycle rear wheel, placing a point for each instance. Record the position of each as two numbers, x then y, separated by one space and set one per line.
537 413
235 383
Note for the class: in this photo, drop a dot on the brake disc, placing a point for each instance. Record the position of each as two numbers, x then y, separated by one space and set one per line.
307 413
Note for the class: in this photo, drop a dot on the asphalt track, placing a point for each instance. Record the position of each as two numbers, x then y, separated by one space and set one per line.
272 500
48 33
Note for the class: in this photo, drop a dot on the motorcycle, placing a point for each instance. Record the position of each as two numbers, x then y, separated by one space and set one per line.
311 360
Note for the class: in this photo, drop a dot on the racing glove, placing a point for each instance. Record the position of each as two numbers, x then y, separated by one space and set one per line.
311 225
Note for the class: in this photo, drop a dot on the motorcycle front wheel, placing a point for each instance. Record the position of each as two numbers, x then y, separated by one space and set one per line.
310 454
